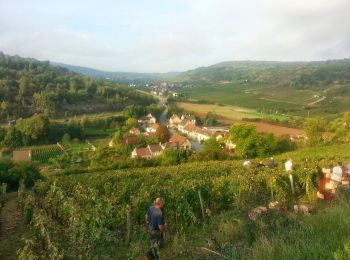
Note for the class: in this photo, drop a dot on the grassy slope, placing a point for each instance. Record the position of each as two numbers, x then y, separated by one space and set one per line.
251 95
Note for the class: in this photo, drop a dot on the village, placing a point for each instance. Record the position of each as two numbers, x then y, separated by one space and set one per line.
185 134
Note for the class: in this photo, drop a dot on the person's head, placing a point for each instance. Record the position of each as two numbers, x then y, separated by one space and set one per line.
159 203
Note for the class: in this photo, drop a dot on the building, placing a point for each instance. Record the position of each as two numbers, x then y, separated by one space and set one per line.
147 120
153 128
134 131
155 149
180 141
174 121
189 118
152 150
24 155
141 153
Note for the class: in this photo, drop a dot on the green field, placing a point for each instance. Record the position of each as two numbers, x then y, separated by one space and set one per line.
250 95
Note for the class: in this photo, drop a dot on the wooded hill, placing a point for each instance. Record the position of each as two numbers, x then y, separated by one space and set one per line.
300 75
29 86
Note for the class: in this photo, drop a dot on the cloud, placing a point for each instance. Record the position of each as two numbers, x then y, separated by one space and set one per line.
149 36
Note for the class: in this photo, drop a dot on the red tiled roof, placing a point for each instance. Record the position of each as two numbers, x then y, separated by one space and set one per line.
130 140
177 139
143 152
190 127
155 126
155 148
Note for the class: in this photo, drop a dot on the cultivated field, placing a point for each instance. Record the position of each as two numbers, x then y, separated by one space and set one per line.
254 96
229 115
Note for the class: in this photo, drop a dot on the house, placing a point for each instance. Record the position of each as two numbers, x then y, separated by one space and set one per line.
201 134
130 140
147 120
189 129
180 141
174 121
141 153
189 118
153 128
152 150
155 149
24 155
134 131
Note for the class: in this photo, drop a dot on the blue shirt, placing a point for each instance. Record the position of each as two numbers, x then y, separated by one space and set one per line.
156 218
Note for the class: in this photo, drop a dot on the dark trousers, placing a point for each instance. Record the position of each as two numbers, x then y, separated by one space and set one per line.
157 241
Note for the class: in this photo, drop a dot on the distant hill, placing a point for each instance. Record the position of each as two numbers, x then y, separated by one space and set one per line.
124 77
299 88
295 74
29 86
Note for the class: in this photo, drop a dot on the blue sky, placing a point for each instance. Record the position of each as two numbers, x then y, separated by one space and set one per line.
160 36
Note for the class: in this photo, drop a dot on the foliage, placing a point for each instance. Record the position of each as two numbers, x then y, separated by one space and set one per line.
12 173
250 144
314 129
28 86
163 133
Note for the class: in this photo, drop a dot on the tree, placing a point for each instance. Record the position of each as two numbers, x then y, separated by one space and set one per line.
246 139
33 129
131 122
13 138
66 139
213 150
163 133
314 129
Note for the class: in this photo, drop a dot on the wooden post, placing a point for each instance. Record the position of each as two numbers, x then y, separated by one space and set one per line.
291 182
201 202
128 223
272 195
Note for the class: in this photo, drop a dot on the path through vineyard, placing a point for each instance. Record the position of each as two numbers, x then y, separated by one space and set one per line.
12 228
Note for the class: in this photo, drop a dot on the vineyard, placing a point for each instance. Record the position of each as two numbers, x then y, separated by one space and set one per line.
42 154
89 210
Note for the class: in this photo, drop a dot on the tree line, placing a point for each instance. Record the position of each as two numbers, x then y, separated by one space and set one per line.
28 86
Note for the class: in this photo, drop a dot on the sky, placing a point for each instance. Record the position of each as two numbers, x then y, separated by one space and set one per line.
174 35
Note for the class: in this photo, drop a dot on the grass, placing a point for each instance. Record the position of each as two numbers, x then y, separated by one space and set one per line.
97 133
265 97
231 112
251 95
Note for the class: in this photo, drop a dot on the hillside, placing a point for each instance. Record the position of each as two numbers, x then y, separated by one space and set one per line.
29 86
300 88
124 77
91 210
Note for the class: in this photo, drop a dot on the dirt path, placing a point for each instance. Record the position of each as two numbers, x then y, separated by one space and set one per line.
12 228
317 101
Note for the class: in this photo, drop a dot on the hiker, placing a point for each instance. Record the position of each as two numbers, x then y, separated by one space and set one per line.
155 224
271 163
337 173
289 168
288 165
326 191
246 163
261 164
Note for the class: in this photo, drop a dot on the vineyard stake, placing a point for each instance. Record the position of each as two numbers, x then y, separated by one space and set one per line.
272 195
128 223
291 182
201 202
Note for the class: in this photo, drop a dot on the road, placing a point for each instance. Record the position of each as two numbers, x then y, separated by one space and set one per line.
163 118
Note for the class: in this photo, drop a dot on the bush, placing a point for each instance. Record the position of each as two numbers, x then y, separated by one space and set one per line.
11 173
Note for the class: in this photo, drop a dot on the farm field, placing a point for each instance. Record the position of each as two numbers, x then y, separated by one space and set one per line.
43 153
229 115
254 96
